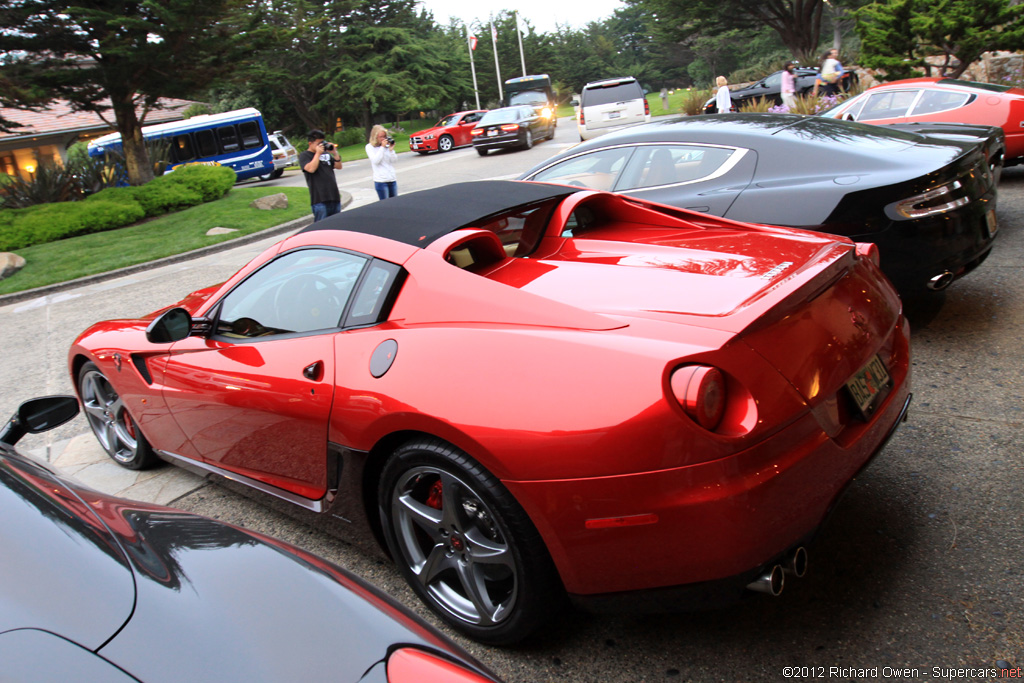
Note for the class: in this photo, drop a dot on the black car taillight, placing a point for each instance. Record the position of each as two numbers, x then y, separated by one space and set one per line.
939 200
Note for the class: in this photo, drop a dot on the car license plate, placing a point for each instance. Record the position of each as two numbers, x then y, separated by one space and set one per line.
868 385
492 133
614 115
993 226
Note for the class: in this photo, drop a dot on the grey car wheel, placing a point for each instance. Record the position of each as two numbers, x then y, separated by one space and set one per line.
445 143
113 427
464 545
529 140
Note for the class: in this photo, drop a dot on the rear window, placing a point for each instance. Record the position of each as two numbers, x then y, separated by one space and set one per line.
500 116
611 93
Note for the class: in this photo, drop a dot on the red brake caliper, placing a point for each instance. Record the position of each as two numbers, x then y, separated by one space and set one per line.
434 498
129 427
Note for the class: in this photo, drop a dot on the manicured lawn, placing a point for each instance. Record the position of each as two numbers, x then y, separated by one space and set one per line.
164 236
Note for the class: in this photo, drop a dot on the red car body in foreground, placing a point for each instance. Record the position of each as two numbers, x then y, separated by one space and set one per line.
941 100
528 390
450 132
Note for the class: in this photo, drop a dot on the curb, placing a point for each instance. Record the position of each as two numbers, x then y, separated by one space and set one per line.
15 297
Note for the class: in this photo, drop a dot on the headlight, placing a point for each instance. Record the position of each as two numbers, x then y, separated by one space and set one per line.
428 136
546 112
939 200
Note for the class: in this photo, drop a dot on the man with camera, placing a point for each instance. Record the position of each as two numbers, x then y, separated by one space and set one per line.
318 163
381 153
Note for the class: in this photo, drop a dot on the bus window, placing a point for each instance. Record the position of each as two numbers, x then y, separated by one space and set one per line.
206 143
228 138
182 146
250 134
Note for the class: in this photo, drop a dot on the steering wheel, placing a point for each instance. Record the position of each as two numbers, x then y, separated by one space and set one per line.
306 302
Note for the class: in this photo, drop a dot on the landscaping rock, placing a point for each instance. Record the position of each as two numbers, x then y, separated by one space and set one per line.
271 201
10 264
220 231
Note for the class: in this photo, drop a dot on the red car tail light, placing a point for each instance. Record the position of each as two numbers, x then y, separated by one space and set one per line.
647 107
415 666
700 390
582 122
476 131
869 250
508 127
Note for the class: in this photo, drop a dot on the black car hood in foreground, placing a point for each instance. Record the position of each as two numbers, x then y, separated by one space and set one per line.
166 595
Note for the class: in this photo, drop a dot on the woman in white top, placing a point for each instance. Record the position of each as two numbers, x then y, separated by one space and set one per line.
381 153
723 101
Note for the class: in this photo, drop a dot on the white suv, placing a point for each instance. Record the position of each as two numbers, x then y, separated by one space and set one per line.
611 104
284 154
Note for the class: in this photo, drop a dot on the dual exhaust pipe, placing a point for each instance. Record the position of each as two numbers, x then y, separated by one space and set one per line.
774 580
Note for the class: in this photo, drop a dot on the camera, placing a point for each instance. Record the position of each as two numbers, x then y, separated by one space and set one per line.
390 140
327 147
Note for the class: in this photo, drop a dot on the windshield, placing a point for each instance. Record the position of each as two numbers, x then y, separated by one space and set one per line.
449 120
529 97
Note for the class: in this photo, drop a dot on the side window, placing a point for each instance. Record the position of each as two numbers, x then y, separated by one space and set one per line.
301 291
888 105
374 294
656 165
774 81
934 101
598 170
206 143
250 132
228 138
182 146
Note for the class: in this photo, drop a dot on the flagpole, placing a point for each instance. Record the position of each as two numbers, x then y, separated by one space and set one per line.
519 32
497 69
472 66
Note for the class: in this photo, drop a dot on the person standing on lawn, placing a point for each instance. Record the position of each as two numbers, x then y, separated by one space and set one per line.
318 164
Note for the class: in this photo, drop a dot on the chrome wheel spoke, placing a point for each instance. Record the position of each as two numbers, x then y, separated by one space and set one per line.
422 515
475 586
486 551
437 562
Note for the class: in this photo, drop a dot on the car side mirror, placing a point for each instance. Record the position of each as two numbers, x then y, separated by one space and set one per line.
170 326
574 102
38 415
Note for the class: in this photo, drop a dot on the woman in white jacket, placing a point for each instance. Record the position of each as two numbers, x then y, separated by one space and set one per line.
381 153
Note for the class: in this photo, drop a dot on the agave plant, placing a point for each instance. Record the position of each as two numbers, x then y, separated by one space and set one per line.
693 101
759 105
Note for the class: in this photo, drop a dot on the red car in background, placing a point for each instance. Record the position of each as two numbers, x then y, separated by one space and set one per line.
450 132
527 390
947 100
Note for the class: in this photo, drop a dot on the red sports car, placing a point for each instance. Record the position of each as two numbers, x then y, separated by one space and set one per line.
528 390
450 132
933 100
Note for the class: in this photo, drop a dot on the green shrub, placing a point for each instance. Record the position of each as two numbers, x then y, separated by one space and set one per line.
51 222
349 136
210 182
757 105
694 99
159 198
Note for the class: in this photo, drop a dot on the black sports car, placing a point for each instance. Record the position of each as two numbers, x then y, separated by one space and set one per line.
97 588
927 201
770 88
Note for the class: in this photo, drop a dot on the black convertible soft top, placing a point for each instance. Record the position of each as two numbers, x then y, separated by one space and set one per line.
419 218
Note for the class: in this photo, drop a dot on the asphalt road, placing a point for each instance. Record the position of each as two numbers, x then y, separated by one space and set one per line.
917 575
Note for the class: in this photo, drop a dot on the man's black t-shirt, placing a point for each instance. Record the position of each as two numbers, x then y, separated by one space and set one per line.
321 183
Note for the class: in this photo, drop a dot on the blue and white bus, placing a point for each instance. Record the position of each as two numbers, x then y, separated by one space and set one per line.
234 138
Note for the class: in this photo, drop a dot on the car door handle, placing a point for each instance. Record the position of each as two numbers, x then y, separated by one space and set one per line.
314 371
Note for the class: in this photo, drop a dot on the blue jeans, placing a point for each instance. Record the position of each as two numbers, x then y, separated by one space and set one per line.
385 190
325 209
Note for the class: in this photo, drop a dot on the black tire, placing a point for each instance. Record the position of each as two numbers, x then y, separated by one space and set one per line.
445 143
481 151
529 139
438 509
113 427
551 132
277 174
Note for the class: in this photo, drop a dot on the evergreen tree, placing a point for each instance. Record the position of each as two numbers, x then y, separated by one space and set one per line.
118 56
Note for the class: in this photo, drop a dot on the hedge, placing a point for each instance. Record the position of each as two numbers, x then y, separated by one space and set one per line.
114 207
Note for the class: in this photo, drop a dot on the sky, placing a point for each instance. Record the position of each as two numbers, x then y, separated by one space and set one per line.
543 15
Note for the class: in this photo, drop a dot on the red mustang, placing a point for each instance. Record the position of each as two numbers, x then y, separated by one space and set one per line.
450 132
933 100
528 390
